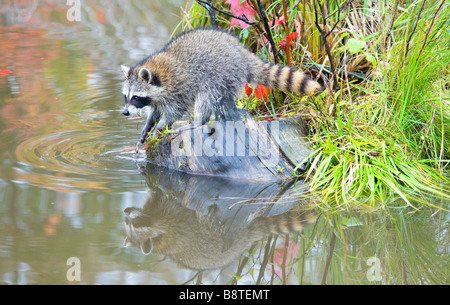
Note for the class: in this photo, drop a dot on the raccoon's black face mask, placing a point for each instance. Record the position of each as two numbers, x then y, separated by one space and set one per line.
136 101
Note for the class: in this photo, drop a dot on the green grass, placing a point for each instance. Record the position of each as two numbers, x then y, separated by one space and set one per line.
381 132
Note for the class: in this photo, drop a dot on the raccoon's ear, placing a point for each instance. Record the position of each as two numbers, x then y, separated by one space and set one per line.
127 242
145 74
126 70
146 246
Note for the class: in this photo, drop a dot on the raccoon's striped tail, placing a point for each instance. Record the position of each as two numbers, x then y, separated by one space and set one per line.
289 222
286 78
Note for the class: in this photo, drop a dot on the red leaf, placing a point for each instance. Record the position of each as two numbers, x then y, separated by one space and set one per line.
292 36
248 90
239 10
279 21
5 71
283 42
261 91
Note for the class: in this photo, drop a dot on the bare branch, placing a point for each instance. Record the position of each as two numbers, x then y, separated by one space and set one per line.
414 29
391 24
286 30
324 37
263 15
208 5
429 29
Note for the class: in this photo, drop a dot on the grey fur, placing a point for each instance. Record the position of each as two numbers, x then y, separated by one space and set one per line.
195 69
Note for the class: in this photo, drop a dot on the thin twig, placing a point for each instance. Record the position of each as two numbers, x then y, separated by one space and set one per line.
192 278
414 29
241 18
303 260
265 260
330 255
338 17
283 264
209 7
286 30
263 15
242 264
327 47
390 25
339 9
429 29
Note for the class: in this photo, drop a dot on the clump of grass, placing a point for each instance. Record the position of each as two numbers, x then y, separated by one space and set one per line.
380 129
369 170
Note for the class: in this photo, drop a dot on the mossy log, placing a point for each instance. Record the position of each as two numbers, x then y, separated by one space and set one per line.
235 146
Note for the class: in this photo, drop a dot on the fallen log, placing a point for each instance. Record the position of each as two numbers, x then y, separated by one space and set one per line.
235 146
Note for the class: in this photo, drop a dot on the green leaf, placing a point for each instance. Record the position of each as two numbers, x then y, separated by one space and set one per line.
243 35
355 45
371 58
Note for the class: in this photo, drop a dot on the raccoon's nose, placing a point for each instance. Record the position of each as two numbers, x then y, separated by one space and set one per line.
126 112
128 210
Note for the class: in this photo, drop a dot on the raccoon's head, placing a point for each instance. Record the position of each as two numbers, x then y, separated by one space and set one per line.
140 88
142 229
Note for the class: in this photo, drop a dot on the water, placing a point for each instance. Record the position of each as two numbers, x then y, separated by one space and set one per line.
68 170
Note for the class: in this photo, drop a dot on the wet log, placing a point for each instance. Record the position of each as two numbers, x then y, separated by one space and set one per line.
235 146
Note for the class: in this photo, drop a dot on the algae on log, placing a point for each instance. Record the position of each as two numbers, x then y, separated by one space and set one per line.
235 146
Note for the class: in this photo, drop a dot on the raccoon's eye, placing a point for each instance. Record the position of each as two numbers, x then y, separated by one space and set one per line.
135 98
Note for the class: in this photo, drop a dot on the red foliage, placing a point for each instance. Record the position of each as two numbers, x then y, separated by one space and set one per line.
291 37
239 10
292 250
260 91
279 21
248 90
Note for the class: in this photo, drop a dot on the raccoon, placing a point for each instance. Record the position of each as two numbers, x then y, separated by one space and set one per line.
195 69
200 241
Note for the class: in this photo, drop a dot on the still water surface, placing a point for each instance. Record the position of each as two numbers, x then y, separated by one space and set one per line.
68 171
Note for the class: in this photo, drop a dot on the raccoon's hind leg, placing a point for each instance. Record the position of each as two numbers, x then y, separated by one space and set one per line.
163 123
202 112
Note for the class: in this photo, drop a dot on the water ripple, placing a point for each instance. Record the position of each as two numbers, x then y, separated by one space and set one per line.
79 159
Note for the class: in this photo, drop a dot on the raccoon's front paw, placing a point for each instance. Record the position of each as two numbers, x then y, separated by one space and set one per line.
143 136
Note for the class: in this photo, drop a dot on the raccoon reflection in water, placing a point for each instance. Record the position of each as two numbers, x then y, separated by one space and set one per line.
194 69
204 224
